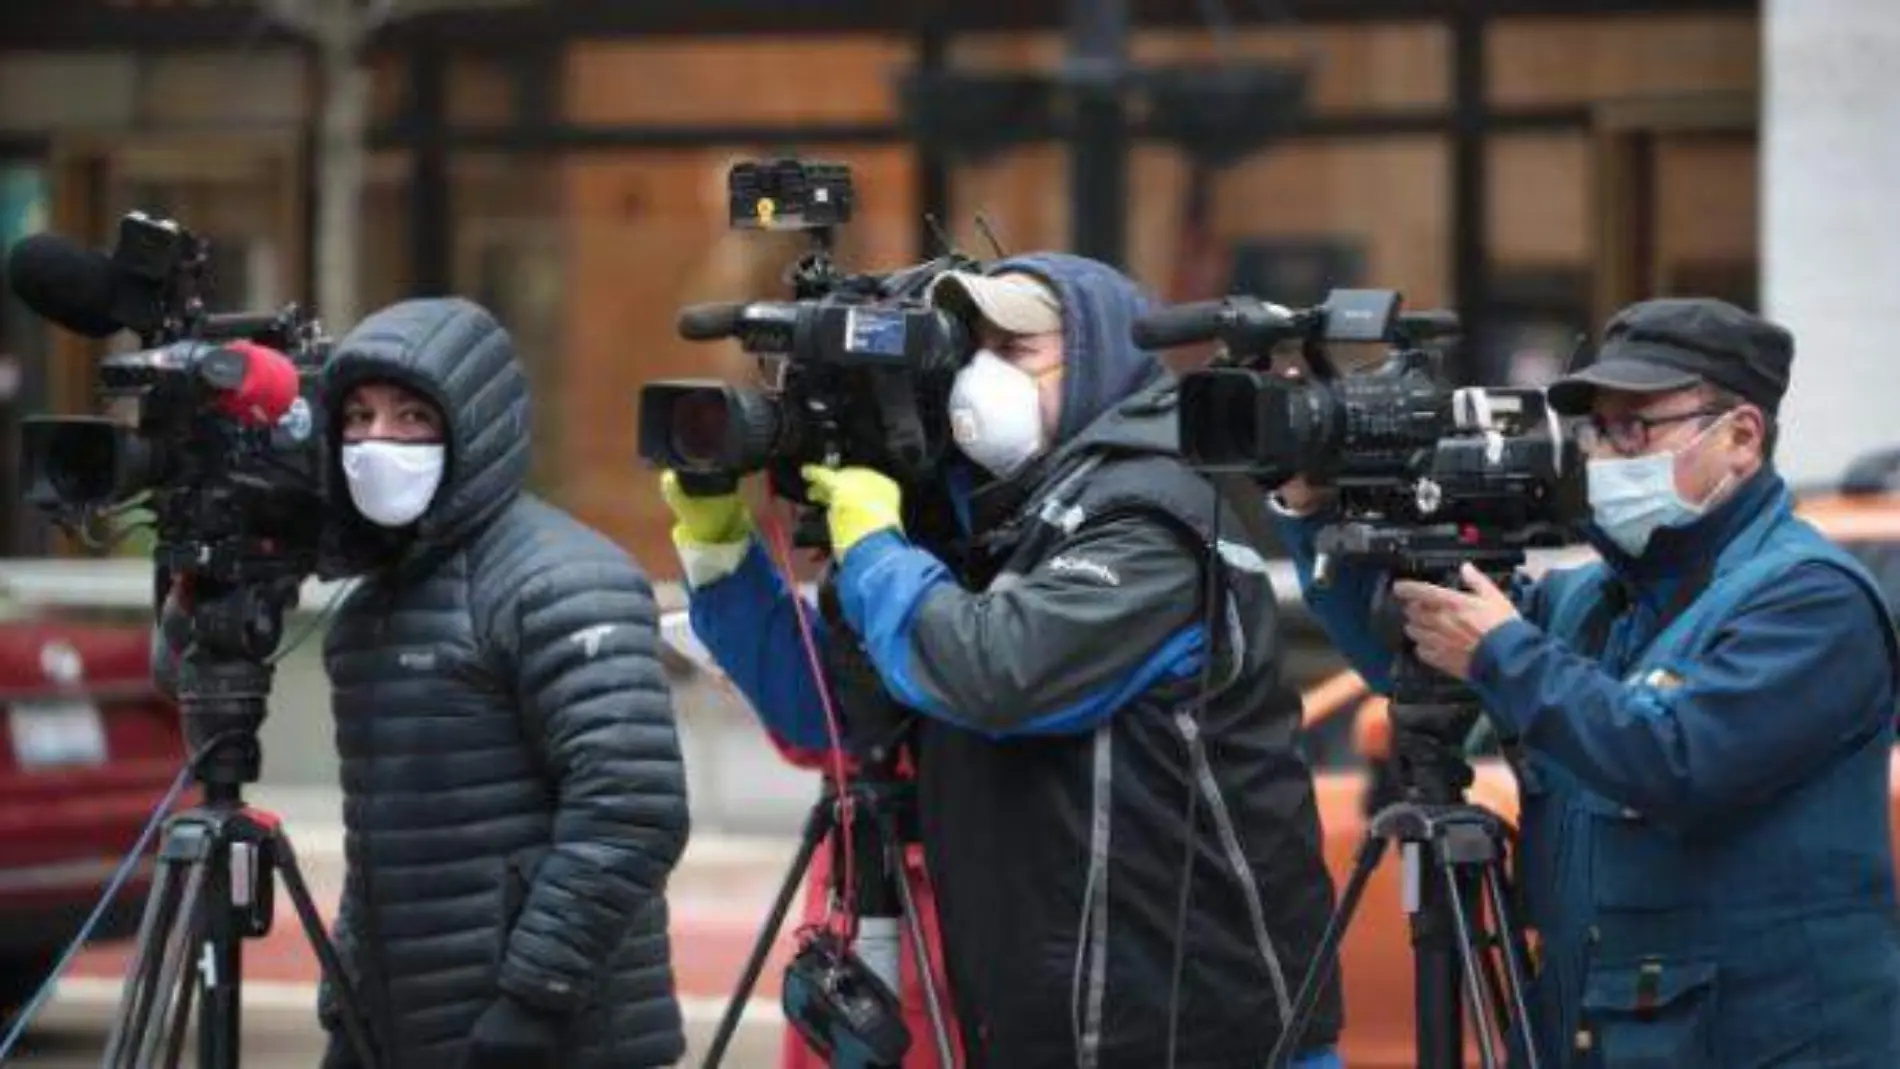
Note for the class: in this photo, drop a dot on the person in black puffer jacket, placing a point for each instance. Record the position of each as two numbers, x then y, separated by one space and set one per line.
514 798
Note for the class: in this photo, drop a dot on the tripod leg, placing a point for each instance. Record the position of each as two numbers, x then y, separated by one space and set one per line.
186 934
181 1017
285 859
1326 954
1436 971
816 827
1510 939
222 961
160 908
920 953
1458 902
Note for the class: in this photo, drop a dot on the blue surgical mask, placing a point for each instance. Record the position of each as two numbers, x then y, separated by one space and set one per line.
1630 497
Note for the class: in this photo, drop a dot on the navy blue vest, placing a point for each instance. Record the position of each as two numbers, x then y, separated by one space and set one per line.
1661 947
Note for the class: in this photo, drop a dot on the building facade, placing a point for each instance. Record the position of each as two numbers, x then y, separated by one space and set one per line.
1532 164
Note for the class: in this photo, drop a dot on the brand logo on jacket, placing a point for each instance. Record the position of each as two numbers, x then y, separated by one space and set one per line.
1656 679
589 639
1070 565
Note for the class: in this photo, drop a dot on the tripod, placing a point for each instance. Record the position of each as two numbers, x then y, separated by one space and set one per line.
1452 853
214 883
882 805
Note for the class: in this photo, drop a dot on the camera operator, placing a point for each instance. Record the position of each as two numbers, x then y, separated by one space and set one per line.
1057 675
514 798
1705 717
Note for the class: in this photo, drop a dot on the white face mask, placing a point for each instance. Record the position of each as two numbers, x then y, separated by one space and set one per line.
1630 497
996 414
392 483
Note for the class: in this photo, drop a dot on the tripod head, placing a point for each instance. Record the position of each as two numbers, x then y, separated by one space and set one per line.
1432 713
224 678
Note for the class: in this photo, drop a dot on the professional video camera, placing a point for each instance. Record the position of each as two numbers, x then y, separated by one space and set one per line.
1401 446
858 371
1429 478
210 426
858 366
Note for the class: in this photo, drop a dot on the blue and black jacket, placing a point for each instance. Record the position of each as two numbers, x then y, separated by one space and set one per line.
1056 674
1706 841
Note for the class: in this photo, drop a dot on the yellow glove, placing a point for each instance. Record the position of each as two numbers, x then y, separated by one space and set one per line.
858 503
712 533
714 520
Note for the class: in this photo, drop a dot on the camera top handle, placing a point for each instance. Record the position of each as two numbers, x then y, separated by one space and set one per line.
1249 328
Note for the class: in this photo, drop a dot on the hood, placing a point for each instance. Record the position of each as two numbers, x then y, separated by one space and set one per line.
1101 365
452 351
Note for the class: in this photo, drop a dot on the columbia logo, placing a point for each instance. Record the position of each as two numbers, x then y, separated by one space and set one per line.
1084 566
417 662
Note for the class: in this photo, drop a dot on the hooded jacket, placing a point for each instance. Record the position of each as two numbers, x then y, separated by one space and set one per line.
514 798
1057 676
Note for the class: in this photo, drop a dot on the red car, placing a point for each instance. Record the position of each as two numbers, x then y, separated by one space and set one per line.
87 749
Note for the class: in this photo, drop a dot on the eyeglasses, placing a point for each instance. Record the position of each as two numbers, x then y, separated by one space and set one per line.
1630 435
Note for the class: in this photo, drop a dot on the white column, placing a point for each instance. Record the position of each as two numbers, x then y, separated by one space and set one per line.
1831 224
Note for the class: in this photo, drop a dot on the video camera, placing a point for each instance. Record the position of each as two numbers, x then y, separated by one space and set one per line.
858 367
1429 477
211 425
1400 446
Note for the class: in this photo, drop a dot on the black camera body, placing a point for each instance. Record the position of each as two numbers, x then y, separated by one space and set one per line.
858 367
1403 448
1429 478
232 477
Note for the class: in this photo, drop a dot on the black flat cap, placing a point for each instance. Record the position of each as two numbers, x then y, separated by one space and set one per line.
1674 342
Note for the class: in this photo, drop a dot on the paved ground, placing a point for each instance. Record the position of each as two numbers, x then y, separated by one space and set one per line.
719 898
276 1036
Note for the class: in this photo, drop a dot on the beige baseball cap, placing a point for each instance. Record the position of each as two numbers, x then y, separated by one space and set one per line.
1013 301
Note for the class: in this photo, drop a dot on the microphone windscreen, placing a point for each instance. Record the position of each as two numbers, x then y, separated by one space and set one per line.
64 282
268 389
710 322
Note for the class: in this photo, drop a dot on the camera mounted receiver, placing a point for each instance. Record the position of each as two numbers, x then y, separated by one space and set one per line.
786 193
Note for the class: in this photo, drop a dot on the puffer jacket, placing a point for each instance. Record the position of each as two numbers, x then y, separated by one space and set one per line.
514 798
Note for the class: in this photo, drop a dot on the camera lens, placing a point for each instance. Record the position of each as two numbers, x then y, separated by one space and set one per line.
704 425
700 423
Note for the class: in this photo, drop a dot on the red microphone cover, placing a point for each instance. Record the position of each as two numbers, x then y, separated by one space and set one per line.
269 386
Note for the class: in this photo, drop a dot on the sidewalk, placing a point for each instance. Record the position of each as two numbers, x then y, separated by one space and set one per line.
719 897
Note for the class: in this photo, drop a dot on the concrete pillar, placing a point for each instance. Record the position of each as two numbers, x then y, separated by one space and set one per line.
1830 252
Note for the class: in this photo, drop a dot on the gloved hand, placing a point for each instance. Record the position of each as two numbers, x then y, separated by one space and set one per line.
705 521
711 535
858 503
512 1035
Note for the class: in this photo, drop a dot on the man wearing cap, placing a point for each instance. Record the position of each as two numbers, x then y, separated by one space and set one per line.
1055 659
1707 716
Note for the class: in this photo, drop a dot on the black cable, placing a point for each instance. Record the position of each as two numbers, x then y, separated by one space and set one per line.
1210 625
329 609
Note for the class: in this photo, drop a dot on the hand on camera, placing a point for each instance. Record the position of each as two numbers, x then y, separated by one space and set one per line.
858 503
1446 626
717 520
511 1035
1301 498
